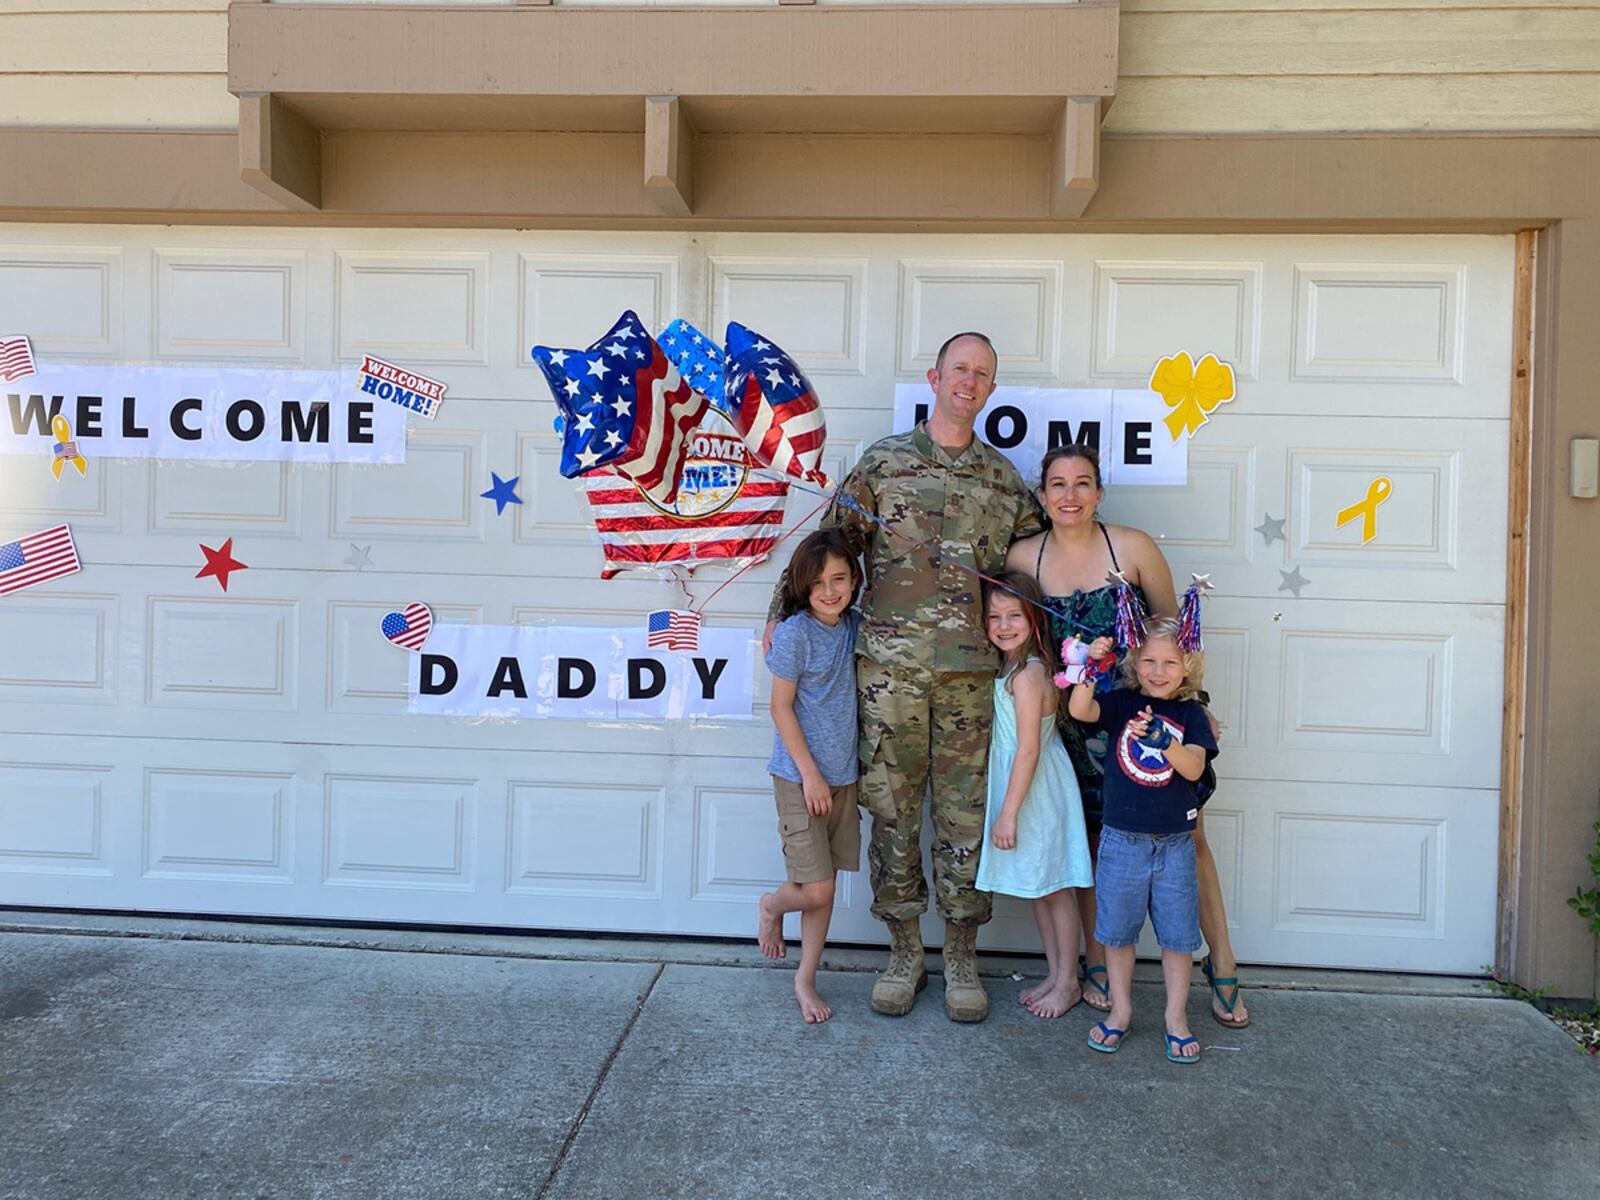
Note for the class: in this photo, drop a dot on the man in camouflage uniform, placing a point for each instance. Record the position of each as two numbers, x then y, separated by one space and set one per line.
925 669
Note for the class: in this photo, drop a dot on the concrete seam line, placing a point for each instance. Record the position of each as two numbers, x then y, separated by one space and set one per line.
599 1082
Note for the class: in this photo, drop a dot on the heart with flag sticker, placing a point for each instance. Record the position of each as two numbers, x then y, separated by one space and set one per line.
408 629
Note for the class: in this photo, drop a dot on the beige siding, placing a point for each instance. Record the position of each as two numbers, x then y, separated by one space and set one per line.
1187 66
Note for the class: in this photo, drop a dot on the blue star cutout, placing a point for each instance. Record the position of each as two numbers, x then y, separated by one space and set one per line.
502 493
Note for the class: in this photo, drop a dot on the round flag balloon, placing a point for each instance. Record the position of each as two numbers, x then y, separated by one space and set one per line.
409 629
773 405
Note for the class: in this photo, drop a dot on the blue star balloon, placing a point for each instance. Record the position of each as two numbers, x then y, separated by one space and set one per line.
698 359
624 407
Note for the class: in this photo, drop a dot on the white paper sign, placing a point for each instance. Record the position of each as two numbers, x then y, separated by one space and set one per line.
1024 422
580 673
211 413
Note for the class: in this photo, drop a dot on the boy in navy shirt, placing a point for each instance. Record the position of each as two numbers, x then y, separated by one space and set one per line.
1160 742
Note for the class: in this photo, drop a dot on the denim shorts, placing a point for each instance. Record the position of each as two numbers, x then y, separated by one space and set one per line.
1138 873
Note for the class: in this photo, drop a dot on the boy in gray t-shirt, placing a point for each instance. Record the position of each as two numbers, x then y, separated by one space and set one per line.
814 763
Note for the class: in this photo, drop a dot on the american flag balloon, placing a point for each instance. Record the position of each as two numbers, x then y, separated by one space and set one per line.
409 629
624 406
774 406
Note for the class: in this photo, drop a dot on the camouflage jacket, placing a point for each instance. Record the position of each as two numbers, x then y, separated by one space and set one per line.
921 609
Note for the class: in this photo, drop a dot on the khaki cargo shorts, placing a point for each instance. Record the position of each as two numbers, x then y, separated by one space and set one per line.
815 847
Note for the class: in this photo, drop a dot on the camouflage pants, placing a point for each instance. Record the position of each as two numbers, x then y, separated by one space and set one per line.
919 726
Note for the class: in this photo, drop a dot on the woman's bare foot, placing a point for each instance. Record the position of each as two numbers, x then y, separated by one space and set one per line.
769 930
1093 996
1058 1000
1239 1018
812 1007
1027 996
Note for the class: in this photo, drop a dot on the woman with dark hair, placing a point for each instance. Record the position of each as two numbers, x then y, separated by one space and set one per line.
1071 561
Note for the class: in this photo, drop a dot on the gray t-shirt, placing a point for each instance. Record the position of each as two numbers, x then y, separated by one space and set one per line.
821 662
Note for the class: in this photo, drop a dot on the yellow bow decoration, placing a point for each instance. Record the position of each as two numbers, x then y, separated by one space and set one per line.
1191 391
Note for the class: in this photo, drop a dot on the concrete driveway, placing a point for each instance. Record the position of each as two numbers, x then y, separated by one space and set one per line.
141 1058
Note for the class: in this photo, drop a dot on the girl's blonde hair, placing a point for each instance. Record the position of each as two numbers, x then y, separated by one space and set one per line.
1194 661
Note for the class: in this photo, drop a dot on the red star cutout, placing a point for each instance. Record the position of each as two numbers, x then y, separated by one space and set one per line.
220 563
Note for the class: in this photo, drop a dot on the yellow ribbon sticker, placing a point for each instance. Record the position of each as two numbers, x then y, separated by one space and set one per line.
1367 509
65 449
1191 391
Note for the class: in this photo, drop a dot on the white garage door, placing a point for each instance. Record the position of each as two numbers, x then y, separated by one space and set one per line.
169 747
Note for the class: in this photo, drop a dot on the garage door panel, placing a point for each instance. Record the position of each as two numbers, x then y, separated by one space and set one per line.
255 499
68 297
52 815
815 308
30 499
436 497
233 654
60 648
1398 693
428 307
227 826
572 299
366 673
1146 309
1018 303
231 305
578 838
1388 877
1209 519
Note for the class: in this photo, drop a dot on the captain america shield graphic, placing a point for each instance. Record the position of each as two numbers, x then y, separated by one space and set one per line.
1145 765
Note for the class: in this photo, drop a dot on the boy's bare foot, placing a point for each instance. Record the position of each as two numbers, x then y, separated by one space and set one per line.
812 1007
1027 996
769 929
1058 1000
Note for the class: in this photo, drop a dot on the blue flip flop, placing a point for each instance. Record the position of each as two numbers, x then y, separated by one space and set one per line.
1176 1043
1107 1032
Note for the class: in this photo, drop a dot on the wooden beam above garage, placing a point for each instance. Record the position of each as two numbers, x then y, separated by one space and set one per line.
668 155
372 51
280 154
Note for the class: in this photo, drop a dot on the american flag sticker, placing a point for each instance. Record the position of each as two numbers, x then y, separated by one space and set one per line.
673 629
16 359
38 558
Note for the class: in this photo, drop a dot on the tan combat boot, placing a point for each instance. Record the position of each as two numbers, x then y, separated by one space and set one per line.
897 988
964 997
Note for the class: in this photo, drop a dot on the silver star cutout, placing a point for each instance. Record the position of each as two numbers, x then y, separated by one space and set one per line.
1117 579
1203 582
1271 528
1293 581
360 557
